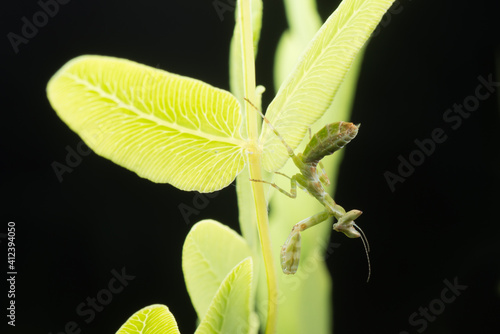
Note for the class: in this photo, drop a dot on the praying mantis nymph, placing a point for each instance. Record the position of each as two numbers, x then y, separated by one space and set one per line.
331 138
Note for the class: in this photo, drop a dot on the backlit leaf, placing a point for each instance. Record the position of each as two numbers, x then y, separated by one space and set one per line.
230 311
165 127
154 319
309 90
303 23
210 252
236 76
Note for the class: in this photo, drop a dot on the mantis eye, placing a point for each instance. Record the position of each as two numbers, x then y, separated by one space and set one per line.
346 224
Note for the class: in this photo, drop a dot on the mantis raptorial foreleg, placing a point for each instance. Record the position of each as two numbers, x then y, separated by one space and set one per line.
290 251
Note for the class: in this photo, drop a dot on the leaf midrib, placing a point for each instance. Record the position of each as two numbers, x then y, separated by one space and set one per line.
156 120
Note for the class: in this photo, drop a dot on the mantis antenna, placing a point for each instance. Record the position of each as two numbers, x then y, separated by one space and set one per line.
366 245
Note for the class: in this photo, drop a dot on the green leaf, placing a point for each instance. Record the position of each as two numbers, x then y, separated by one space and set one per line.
211 250
154 319
309 90
231 309
308 294
165 127
303 21
246 211
236 76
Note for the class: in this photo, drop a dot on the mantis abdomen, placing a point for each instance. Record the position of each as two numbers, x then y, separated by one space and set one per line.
331 138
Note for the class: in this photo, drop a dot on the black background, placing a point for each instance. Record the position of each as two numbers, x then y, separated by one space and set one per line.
440 223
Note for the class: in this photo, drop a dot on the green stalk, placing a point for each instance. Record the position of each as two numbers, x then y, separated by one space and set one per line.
254 163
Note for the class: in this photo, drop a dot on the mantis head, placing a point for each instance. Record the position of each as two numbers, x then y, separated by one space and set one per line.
347 226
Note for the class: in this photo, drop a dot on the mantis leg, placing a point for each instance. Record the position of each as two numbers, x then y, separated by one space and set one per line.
290 251
288 148
293 185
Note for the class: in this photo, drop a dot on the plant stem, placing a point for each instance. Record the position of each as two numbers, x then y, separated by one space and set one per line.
254 164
